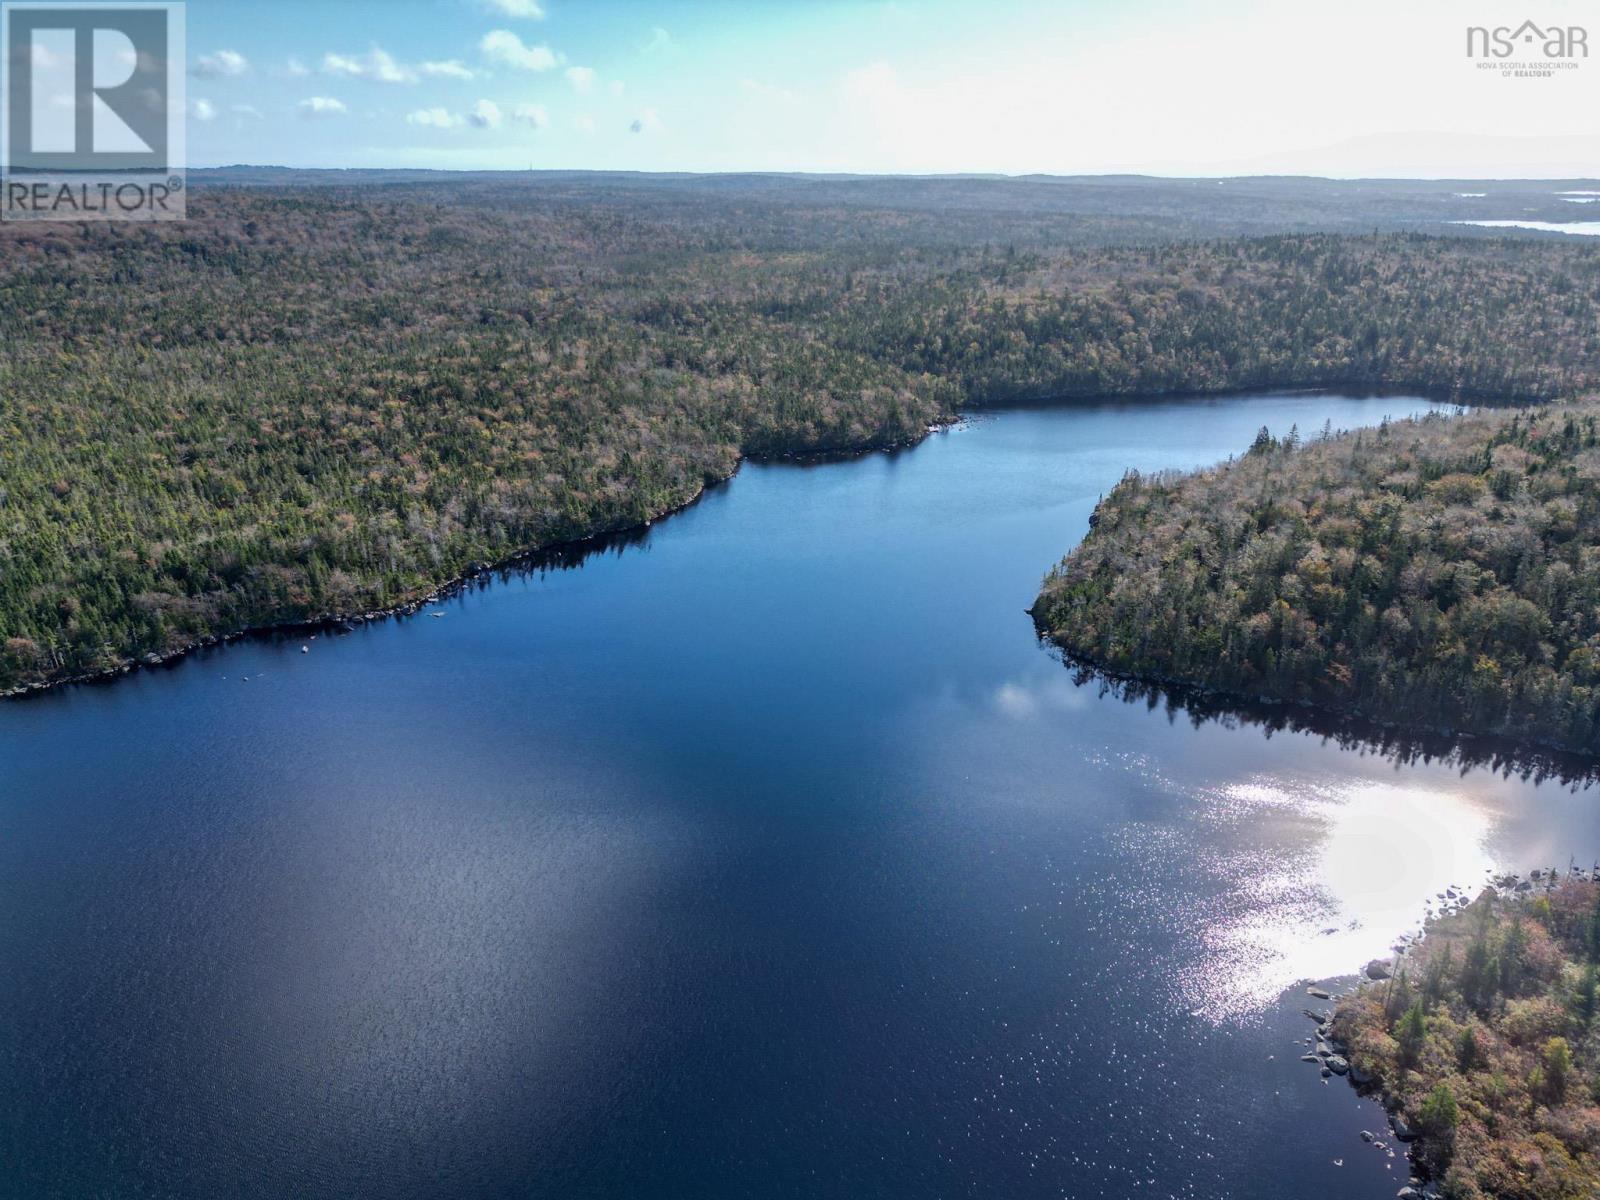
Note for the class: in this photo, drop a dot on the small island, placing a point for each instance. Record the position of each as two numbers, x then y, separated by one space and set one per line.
1439 575
1482 1039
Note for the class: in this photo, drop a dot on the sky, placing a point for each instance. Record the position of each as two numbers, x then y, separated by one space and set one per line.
1353 87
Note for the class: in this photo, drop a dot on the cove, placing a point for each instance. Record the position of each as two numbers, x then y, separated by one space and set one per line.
768 854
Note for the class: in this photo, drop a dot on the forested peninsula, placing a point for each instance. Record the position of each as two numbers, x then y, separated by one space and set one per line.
1483 1042
305 403
1438 573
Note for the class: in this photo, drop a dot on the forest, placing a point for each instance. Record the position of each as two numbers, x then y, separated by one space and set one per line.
313 401
1441 572
1484 1043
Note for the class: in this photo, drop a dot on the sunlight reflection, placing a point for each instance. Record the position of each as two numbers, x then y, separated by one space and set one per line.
1376 859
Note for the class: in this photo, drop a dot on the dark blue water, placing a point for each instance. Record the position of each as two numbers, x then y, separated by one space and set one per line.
769 857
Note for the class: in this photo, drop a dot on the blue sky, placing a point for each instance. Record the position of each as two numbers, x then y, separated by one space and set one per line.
906 86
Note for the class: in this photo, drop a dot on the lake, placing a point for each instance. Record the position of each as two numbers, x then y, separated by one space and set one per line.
1575 228
767 855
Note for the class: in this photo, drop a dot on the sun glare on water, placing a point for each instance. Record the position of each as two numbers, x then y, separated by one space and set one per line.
1373 859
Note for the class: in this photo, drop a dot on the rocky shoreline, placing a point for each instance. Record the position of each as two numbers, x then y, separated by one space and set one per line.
1331 1050
1330 1057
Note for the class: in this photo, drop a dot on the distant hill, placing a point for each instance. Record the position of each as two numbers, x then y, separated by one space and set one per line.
1111 207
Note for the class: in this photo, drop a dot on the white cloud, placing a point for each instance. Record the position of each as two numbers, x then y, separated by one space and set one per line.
767 91
452 68
297 68
646 121
660 42
506 48
246 110
977 109
437 118
1015 701
583 123
202 110
618 87
321 106
222 63
485 114
581 78
528 10
532 115
375 64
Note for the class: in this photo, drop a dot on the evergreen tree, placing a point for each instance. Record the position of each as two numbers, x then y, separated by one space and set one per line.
1411 1033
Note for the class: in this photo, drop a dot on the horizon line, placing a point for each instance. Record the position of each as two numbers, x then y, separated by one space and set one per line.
977 176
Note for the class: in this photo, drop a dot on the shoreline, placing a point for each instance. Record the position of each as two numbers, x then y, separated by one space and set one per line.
1334 720
348 622
407 607
1352 1037
336 622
